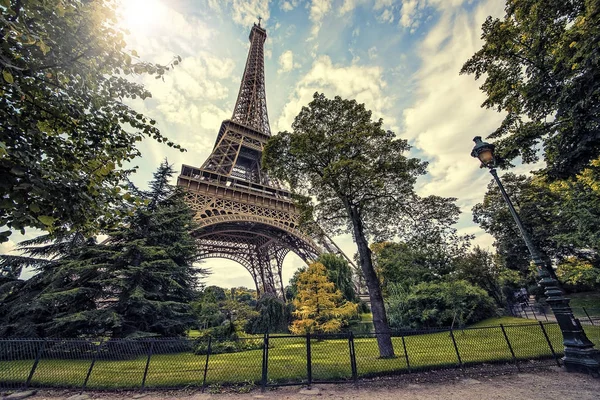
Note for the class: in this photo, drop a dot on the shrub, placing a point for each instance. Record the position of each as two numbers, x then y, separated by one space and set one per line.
220 346
428 304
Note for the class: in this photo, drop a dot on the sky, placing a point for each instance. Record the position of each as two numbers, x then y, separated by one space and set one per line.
400 58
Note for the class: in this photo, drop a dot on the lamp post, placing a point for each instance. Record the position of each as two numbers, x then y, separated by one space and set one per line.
580 354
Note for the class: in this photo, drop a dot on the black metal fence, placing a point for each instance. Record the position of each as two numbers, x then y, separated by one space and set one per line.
586 315
271 360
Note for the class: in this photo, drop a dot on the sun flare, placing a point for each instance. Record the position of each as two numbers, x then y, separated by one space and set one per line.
140 15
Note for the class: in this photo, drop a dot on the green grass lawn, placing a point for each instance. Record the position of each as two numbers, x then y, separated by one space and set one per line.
287 359
589 300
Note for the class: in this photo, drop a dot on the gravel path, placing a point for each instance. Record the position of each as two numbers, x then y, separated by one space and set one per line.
542 384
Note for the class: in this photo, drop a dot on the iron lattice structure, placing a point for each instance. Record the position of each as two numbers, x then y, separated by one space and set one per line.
242 214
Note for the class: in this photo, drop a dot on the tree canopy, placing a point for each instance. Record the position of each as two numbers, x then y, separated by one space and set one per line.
362 181
320 307
65 127
540 64
139 282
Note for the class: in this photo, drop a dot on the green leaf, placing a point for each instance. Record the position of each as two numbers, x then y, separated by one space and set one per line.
34 207
46 220
8 76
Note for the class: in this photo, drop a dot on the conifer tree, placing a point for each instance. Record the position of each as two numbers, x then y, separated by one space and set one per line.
320 308
139 282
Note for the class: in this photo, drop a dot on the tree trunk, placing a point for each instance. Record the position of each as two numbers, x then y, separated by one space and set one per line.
380 322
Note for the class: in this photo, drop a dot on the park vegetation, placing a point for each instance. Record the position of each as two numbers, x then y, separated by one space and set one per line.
65 135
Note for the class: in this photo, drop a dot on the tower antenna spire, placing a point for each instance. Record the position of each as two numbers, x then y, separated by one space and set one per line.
259 19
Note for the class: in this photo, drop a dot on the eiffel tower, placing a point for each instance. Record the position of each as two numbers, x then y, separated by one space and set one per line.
243 215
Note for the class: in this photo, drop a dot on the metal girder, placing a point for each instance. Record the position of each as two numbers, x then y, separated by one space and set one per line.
241 213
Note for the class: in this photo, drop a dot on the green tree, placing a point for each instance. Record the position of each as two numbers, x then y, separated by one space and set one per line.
139 282
437 304
339 272
65 130
273 315
540 64
361 179
320 307
486 270
536 206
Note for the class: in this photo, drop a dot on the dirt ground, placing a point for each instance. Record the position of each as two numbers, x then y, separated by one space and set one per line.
544 384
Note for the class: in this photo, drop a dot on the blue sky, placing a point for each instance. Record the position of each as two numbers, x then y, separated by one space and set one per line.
400 58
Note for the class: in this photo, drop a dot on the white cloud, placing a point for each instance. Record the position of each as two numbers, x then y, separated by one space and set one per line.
363 83
349 6
288 5
286 62
243 12
356 32
379 4
387 16
318 10
446 113
372 52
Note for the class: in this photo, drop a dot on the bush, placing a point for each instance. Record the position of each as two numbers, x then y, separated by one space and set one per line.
455 303
220 346
273 316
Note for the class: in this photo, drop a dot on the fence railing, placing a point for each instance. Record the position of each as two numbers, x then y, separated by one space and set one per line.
586 315
271 360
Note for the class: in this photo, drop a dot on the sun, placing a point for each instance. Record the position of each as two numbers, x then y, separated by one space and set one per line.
140 15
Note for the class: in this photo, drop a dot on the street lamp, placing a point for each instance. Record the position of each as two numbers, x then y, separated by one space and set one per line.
580 354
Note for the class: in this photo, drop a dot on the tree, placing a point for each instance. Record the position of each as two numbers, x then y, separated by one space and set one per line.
273 315
437 304
65 130
139 282
486 270
320 308
540 64
361 179
535 204
339 272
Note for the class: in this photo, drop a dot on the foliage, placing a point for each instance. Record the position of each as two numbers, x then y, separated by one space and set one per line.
227 346
578 274
578 208
65 131
273 315
440 304
540 64
486 270
338 272
139 282
559 216
535 204
320 308
361 179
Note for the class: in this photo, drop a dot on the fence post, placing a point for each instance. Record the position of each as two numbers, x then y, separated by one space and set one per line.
150 348
588 315
308 360
95 356
549 343
533 312
352 356
206 363
405 352
525 311
265 362
35 363
460 364
512 352
545 316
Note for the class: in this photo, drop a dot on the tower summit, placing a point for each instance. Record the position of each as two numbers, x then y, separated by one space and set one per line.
242 214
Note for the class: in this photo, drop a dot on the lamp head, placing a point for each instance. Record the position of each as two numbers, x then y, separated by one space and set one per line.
484 152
